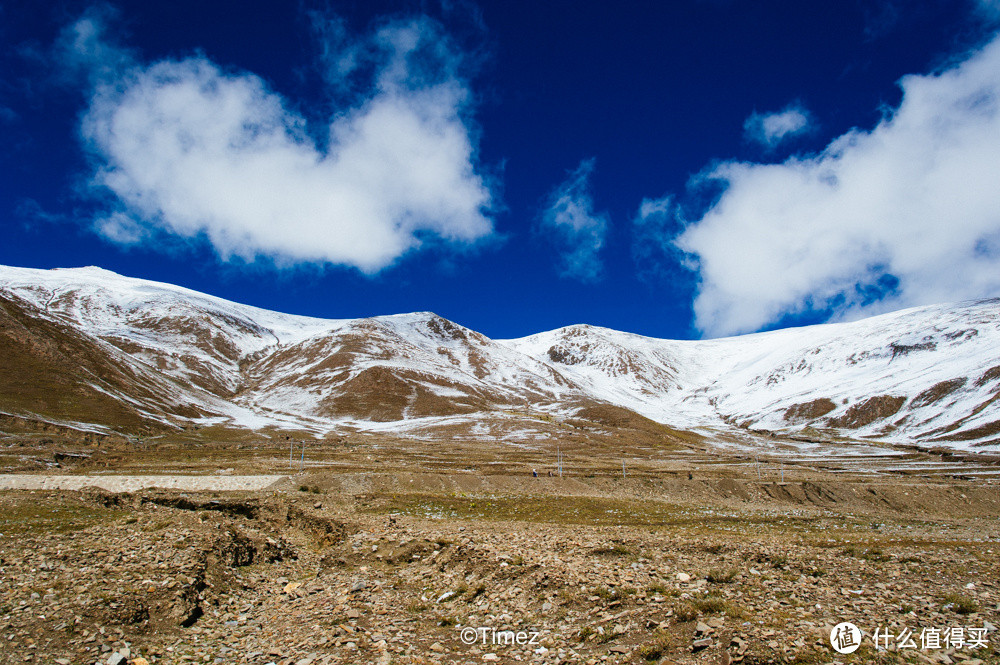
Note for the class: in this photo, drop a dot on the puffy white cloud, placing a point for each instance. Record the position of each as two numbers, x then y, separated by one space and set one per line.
904 214
575 229
188 149
770 129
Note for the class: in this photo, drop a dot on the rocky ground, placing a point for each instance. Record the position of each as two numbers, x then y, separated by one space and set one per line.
412 569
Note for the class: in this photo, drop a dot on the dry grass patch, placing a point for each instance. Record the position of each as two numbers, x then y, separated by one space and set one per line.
43 514
616 550
960 604
657 649
722 575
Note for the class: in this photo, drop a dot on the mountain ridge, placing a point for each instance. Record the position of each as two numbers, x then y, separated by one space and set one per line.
174 357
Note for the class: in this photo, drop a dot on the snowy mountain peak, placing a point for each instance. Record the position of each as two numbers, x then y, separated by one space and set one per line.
169 355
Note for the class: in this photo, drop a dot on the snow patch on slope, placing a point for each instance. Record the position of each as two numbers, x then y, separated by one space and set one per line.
931 359
924 375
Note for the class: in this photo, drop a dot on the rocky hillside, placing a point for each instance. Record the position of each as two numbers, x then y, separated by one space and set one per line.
929 374
232 364
95 349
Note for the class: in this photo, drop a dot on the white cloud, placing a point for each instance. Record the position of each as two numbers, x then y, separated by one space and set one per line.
905 214
770 129
576 230
188 149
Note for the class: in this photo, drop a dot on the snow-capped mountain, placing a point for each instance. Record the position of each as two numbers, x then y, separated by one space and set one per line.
927 374
400 367
89 346
208 360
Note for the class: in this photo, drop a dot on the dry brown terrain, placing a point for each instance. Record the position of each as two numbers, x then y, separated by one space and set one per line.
383 551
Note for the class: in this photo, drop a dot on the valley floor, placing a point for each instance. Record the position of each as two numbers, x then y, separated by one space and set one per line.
448 566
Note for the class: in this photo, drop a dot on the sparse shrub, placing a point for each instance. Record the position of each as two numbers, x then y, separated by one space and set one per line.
775 560
873 554
960 604
692 609
604 593
655 651
614 593
615 550
608 636
721 576
686 612
710 604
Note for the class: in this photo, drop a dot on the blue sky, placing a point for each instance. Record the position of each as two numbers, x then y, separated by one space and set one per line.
675 169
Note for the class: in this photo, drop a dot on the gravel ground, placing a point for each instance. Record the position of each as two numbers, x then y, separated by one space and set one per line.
316 577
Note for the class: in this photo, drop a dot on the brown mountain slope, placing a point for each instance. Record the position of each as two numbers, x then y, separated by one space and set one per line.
50 370
92 346
399 367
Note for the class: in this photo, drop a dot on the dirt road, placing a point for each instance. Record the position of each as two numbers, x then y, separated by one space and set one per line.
135 483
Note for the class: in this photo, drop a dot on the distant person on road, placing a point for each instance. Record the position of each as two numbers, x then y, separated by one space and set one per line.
534 473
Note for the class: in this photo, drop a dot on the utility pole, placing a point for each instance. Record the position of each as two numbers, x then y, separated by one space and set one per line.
302 461
623 468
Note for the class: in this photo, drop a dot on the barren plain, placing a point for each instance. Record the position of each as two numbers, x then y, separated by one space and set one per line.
379 550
